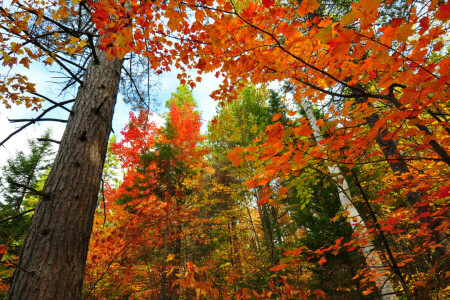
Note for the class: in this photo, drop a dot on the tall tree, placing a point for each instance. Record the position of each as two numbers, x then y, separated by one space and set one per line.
60 229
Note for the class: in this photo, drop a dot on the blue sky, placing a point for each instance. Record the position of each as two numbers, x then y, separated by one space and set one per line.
42 76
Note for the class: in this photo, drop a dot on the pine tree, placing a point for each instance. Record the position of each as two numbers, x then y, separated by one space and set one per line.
21 173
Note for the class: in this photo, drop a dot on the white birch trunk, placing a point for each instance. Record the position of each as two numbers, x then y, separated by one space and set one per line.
372 257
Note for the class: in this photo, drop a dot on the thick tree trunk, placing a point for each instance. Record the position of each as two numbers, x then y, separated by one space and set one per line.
53 258
373 259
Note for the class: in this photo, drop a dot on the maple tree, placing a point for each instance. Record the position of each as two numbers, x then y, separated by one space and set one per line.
162 166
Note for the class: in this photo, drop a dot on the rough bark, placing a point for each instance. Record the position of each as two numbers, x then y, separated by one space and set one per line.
53 258
373 259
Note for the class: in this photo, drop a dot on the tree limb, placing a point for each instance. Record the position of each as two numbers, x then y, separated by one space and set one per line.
18 215
40 193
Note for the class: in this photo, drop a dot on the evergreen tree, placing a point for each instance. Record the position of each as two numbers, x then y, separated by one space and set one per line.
22 172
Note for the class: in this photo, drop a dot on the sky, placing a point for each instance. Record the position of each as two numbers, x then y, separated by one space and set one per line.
42 76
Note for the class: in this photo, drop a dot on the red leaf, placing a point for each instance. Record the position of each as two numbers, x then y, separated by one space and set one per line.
268 3
322 261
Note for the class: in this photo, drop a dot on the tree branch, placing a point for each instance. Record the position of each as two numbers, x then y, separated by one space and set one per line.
40 193
32 122
48 140
18 215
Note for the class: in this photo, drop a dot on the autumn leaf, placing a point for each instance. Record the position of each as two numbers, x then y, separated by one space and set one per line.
170 257
291 113
322 260
443 12
325 34
307 6
278 268
276 116
341 43
268 3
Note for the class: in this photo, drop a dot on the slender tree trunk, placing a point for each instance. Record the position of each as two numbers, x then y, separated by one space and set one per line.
263 211
373 259
253 229
53 258
162 293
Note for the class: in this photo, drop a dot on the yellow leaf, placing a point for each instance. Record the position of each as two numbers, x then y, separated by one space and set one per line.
170 257
348 19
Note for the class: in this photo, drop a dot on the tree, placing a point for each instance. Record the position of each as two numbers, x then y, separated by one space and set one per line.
158 195
61 226
22 174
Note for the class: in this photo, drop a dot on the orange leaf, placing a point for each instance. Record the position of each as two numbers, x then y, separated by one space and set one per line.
348 19
276 117
325 34
443 11
278 268
307 6
291 113
322 261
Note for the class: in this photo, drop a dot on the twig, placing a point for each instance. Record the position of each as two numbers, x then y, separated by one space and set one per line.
31 122
104 202
48 140
54 102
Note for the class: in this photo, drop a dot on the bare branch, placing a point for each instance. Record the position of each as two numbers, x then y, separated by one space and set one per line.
31 122
54 102
37 120
48 140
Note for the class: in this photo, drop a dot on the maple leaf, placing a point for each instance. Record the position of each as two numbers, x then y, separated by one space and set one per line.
170 257
3 249
366 11
341 43
277 116
325 34
307 6
443 11
268 3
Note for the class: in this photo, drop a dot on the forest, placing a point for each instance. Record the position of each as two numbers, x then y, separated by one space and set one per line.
324 173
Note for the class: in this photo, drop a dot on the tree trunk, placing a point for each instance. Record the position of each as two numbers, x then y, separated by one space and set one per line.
373 259
53 259
162 292
263 211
